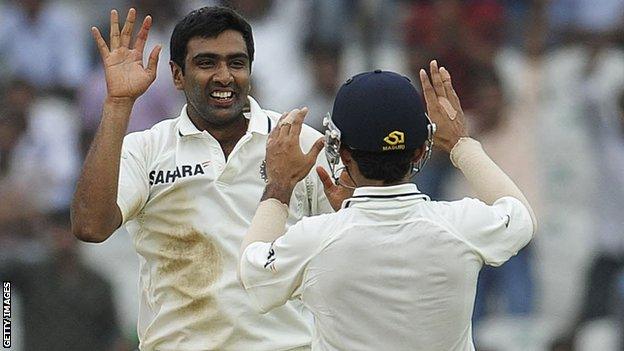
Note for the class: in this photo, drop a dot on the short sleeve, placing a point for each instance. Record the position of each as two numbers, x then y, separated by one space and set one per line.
133 187
498 231
272 273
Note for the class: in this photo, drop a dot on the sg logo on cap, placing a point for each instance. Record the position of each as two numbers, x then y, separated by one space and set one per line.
395 140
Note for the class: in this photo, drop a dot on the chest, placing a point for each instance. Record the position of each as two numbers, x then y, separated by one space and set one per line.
195 184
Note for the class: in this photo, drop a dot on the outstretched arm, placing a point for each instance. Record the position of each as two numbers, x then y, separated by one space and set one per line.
488 181
95 214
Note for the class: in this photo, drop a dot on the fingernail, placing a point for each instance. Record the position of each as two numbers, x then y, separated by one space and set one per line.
422 71
435 62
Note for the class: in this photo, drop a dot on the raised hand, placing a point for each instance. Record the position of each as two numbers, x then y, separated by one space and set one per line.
443 107
285 161
126 77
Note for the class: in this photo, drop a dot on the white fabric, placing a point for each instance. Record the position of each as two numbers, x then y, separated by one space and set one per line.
487 180
391 270
187 226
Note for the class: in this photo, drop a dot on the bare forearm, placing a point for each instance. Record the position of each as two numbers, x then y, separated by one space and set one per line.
95 214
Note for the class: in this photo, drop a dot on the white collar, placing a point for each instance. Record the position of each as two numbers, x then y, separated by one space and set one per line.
392 192
259 122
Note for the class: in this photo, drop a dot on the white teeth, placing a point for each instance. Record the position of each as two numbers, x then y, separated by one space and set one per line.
221 94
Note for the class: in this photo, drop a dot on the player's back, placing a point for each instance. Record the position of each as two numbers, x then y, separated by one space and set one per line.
400 273
399 285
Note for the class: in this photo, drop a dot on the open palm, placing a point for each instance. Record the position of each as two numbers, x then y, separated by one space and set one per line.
443 107
126 77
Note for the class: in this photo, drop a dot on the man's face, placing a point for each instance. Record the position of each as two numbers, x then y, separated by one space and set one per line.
216 77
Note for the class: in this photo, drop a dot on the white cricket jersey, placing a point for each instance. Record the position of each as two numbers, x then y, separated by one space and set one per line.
187 209
391 270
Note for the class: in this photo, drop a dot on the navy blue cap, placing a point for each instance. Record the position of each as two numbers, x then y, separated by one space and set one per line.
380 111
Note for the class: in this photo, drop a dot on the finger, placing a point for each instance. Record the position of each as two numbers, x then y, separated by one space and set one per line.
436 79
126 32
285 123
312 155
114 30
284 130
275 131
297 122
325 178
152 63
100 43
139 44
430 95
282 118
450 91
451 112
346 179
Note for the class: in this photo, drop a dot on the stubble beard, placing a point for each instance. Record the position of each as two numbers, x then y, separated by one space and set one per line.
214 116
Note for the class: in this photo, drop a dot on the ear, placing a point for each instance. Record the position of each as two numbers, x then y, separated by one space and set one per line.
418 154
345 156
177 73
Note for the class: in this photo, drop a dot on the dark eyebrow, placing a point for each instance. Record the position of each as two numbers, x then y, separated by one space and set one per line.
214 56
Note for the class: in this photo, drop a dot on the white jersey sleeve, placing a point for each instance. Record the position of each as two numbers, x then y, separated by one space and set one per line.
272 273
133 189
496 232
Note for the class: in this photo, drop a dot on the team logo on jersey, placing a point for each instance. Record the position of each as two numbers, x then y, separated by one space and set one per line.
395 141
183 171
270 262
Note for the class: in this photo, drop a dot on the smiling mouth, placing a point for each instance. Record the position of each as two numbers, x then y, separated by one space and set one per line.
222 98
222 95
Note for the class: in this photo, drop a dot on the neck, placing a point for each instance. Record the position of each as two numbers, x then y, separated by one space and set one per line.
361 181
372 182
226 134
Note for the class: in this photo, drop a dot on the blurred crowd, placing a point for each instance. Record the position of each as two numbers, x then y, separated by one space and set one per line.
541 81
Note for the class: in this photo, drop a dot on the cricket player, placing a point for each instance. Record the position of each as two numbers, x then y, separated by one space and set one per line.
187 188
391 270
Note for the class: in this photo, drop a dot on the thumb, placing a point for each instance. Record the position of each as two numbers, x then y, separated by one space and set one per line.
324 177
316 150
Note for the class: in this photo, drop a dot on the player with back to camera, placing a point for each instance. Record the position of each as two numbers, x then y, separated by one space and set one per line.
391 270
187 188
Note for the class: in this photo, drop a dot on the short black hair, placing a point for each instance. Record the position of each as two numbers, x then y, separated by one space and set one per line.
391 167
208 22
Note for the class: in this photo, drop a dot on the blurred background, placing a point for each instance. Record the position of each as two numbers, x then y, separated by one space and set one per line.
542 84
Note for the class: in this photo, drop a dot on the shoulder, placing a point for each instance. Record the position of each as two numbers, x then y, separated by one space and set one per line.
496 231
474 210
469 214
159 133
323 227
322 220
314 228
